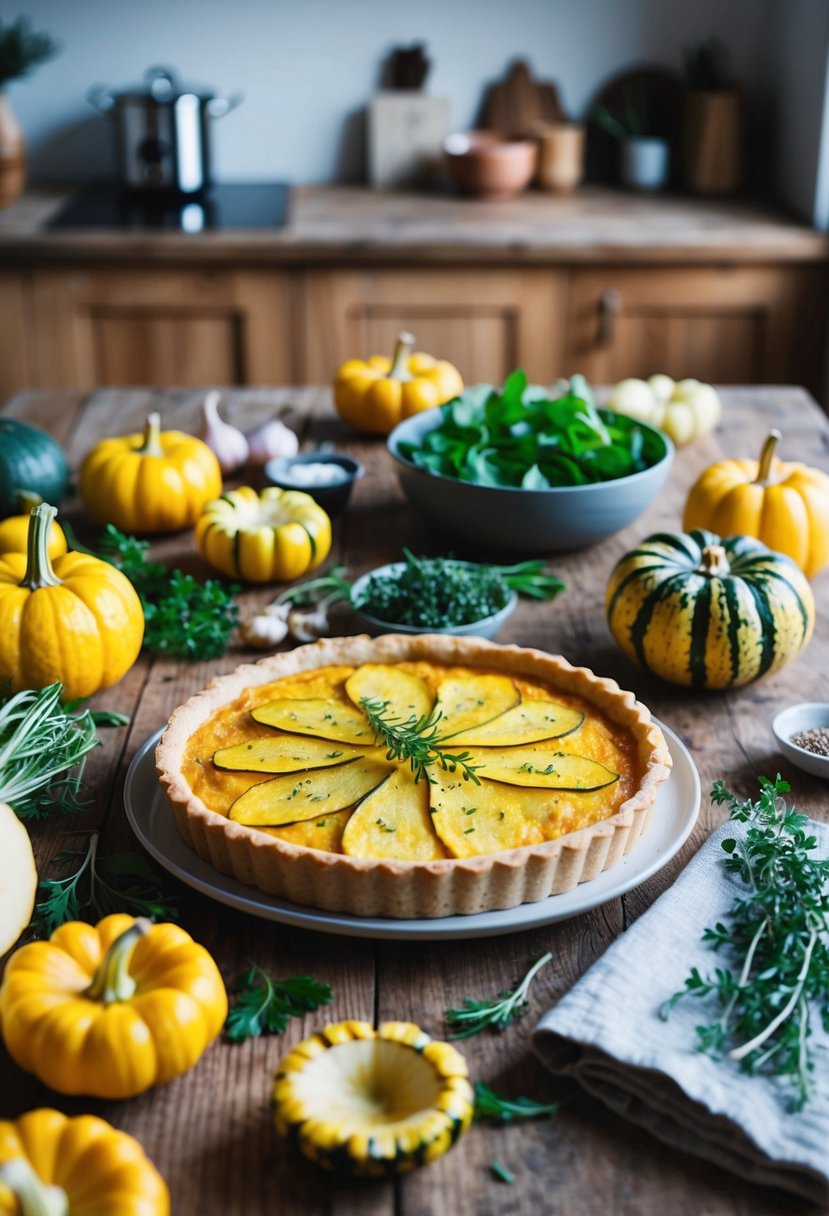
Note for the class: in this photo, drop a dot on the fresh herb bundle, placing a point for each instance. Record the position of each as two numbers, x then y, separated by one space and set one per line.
183 617
264 1004
98 886
521 437
416 740
489 1104
778 939
436 592
41 740
498 1013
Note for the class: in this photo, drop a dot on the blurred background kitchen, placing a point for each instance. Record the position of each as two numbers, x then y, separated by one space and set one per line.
645 188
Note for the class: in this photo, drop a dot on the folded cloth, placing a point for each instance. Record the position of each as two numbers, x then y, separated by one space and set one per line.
607 1034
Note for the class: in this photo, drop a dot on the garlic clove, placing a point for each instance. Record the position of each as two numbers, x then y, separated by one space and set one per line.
227 442
270 440
263 631
308 626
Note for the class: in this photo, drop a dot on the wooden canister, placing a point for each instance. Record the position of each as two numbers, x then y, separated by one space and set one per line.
560 155
713 161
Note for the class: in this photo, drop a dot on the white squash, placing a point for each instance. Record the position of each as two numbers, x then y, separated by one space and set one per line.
683 409
18 878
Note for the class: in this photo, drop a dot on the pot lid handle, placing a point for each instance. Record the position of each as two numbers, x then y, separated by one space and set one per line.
219 106
162 82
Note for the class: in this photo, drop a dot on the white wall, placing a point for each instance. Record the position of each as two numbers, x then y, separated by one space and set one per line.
307 67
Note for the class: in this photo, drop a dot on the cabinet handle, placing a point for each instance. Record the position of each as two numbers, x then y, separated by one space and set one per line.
610 306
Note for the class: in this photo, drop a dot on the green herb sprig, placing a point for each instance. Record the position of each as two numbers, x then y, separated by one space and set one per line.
265 1005
22 48
98 886
416 740
489 1104
521 436
778 939
475 1016
183 617
41 740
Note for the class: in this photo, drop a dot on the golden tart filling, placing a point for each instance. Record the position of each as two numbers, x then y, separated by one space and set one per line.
412 776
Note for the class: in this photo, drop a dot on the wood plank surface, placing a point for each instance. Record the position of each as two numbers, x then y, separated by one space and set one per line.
210 1132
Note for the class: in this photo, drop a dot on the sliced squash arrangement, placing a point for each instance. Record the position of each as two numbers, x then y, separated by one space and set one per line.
394 765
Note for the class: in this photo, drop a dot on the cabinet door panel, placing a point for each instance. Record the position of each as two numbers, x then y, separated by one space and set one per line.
151 347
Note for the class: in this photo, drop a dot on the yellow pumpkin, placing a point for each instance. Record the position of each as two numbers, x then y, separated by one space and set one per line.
373 395
79 621
784 505
53 1165
157 481
14 530
263 538
111 1009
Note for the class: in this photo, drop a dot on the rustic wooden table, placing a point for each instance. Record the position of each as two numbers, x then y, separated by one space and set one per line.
210 1132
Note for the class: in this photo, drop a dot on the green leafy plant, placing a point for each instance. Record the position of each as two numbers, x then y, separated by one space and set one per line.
500 1012
489 1104
41 741
523 437
416 740
778 940
183 617
99 885
265 1005
629 123
22 49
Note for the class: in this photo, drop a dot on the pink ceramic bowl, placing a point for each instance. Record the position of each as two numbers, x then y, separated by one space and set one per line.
489 165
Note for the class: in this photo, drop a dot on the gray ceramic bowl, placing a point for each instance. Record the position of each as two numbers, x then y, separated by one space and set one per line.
792 721
332 497
485 628
511 520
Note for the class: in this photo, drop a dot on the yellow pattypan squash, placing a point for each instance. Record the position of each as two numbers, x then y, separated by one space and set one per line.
157 481
784 505
53 1165
683 409
18 878
78 621
263 538
110 1009
375 394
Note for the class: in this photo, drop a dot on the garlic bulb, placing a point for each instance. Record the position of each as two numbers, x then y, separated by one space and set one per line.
268 628
271 439
227 442
309 626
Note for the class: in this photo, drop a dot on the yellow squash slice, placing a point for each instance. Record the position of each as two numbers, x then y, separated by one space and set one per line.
525 723
292 797
541 768
394 821
467 702
323 718
325 833
405 696
284 754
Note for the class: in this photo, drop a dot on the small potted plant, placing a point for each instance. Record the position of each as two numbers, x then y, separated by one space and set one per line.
645 159
21 49
712 134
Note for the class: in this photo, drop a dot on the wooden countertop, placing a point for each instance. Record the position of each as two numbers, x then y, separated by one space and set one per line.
357 225
210 1132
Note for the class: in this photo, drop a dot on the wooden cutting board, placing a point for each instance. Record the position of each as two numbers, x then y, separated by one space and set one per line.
513 106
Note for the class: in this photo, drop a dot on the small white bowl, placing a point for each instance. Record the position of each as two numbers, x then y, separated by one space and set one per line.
487 627
792 721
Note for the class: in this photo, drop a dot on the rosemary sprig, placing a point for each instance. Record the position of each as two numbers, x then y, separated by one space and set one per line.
417 741
489 1104
99 885
778 939
476 1015
264 1005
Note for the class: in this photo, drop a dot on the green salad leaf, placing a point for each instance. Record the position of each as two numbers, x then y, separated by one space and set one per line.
521 436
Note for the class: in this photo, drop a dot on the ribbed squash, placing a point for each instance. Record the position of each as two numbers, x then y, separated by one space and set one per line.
263 538
709 613
30 462
373 1102
784 505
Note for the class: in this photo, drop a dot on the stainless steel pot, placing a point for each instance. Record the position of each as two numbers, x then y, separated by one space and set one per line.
162 132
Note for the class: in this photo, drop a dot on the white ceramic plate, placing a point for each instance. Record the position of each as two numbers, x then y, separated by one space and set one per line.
672 821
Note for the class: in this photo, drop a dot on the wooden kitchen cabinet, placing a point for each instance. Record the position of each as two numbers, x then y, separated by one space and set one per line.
722 324
485 321
16 370
125 326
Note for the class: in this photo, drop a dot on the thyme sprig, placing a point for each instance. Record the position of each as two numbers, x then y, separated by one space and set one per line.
475 1016
778 940
416 740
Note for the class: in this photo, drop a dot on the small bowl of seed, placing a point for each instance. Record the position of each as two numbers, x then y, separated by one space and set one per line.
802 731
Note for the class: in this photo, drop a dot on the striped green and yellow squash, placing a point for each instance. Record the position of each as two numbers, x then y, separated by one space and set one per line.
372 1102
708 612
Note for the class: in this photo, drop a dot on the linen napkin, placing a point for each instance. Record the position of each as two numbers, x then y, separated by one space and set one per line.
607 1034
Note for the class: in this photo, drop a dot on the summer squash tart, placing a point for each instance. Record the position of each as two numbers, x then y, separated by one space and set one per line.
409 776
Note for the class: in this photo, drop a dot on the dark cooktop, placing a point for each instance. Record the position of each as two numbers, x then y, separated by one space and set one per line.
232 205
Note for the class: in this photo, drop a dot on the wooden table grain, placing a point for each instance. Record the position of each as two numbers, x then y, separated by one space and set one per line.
210 1132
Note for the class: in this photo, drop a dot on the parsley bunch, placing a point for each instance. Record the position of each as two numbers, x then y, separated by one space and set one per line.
778 942
264 1005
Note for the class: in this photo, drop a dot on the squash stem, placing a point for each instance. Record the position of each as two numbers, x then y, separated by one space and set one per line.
112 981
714 561
151 445
34 1197
402 354
39 572
766 457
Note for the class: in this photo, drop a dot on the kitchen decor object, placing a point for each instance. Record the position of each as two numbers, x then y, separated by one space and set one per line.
645 163
162 132
636 104
490 165
514 106
20 50
406 130
800 719
560 156
713 122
